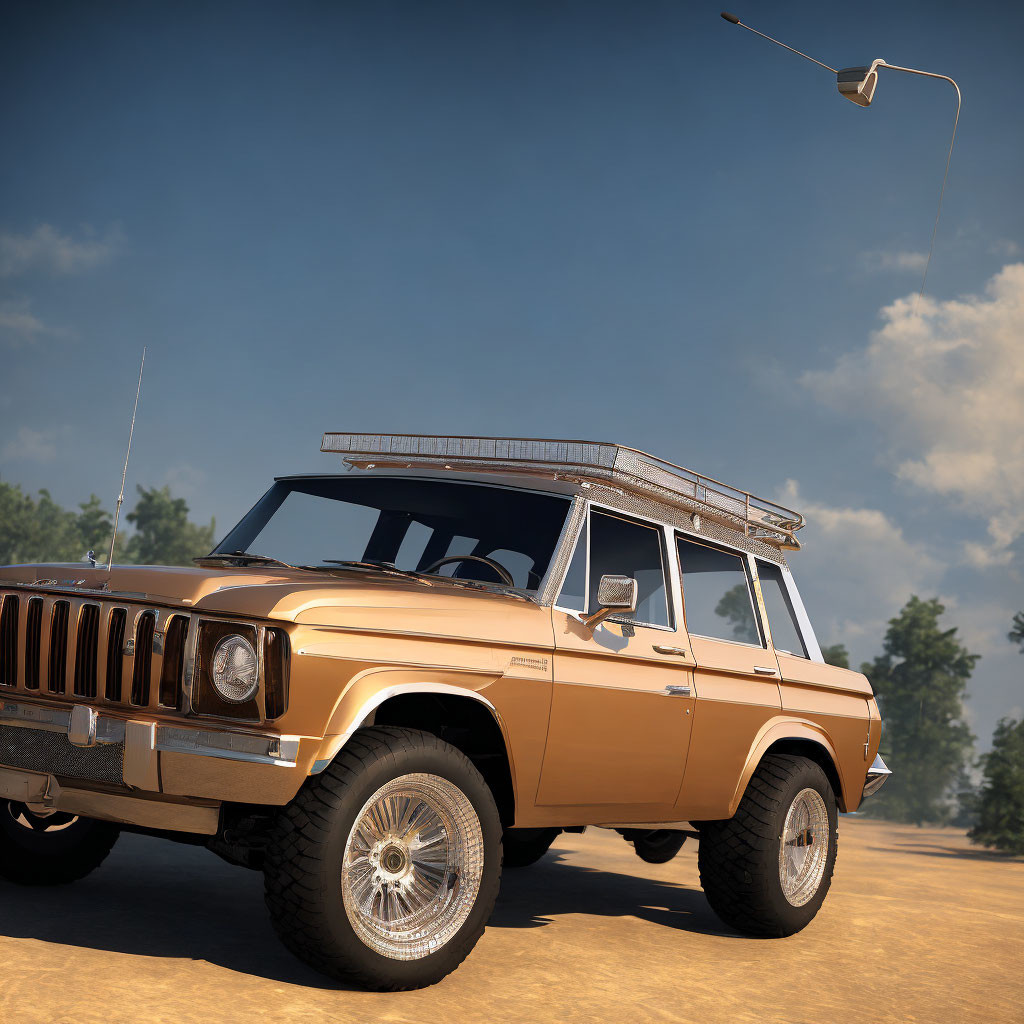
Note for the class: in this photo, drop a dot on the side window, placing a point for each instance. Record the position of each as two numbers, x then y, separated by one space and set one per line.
781 619
716 594
620 547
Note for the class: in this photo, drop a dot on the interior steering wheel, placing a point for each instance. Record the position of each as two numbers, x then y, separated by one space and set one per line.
505 575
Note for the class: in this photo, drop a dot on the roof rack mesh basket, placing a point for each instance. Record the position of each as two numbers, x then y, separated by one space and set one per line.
584 461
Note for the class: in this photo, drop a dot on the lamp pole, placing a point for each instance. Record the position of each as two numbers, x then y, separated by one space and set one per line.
858 85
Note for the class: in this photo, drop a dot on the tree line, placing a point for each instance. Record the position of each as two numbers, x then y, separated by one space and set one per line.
159 532
920 678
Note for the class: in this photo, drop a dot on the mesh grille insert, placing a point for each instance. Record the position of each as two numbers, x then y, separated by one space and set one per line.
39 750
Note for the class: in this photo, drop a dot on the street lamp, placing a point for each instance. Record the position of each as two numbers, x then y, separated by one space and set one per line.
858 86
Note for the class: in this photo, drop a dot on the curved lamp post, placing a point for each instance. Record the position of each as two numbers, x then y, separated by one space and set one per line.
858 86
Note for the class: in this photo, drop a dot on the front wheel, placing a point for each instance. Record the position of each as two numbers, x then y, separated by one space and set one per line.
767 869
50 847
385 868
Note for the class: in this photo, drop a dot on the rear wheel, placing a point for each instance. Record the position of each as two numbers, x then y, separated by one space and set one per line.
526 846
50 847
385 868
766 870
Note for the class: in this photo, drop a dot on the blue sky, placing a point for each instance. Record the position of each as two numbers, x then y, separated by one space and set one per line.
625 221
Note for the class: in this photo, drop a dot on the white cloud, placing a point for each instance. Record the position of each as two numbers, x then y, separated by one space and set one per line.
18 324
30 445
47 249
947 388
857 570
899 260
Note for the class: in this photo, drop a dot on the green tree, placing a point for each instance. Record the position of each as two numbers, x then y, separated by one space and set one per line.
1000 804
1016 634
920 679
836 655
734 607
163 533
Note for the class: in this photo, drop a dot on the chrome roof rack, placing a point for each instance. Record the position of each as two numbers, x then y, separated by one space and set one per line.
610 465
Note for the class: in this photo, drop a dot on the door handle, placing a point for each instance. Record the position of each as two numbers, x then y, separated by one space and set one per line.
677 690
763 670
662 649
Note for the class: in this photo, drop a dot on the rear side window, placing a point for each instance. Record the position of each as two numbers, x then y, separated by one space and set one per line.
716 594
781 618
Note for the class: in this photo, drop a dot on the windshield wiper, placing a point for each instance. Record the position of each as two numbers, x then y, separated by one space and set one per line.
242 556
374 565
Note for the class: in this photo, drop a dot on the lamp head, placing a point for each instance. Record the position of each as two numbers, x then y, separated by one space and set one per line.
858 84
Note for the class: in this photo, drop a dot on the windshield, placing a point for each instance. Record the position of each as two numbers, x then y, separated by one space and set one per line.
410 524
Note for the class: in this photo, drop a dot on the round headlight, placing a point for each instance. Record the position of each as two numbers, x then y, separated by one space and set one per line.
234 670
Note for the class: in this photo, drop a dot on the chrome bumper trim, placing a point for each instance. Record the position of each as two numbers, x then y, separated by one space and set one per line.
232 746
877 774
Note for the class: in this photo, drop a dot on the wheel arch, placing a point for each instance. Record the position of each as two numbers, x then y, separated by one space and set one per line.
803 739
460 716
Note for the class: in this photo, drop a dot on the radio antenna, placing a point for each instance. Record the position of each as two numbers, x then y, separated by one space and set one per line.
124 472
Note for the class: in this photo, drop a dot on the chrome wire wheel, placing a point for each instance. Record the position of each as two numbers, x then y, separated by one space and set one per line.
41 820
804 847
412 866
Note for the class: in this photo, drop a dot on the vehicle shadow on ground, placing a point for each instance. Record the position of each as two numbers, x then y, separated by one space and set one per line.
532 897
159 899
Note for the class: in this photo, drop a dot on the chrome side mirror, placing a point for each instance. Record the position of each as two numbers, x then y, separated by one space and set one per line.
615 595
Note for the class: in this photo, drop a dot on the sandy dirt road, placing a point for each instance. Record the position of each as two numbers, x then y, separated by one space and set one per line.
918 927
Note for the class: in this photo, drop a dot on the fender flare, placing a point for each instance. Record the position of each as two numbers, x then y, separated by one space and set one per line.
785 729
344 724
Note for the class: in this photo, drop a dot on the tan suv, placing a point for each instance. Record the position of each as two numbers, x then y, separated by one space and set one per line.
382 683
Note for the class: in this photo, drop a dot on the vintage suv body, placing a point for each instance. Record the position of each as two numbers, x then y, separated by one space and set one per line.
528 636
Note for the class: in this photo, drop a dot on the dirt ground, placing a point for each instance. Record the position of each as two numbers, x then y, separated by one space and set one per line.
918 927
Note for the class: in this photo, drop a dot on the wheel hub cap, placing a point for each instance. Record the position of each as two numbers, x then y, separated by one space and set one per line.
412 866
803 847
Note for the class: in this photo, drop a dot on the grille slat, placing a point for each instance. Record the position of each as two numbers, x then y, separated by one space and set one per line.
9 640
33 642
173 667
115 659
86 650
58 649
144 629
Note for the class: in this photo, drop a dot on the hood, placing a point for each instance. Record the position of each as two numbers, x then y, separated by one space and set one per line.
267 592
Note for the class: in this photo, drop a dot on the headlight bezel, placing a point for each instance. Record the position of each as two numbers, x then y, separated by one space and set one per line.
272 646
251 686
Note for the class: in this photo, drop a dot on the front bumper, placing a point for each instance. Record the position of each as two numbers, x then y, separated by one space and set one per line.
51 756
877 774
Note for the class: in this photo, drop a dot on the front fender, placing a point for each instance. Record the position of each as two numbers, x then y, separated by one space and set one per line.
367 691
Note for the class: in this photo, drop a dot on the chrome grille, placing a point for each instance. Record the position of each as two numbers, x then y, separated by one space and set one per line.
9 641
71 648
40 750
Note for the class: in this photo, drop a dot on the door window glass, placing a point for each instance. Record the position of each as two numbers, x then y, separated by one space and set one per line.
781 619
622 548
716 594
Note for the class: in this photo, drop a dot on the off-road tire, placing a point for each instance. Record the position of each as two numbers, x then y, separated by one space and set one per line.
56 857
738 858
657 846
302 867
526 846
